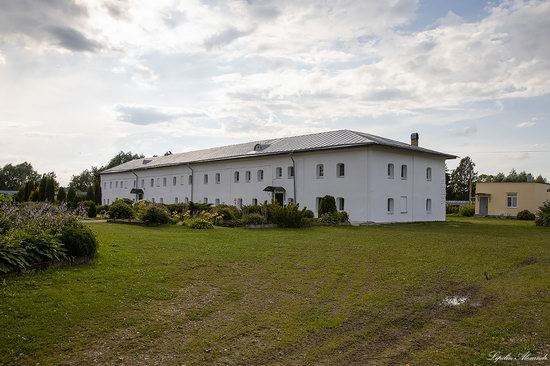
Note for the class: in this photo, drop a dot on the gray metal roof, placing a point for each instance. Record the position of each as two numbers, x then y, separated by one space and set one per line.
317 141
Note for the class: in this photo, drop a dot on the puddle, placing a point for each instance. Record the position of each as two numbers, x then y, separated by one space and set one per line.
454 300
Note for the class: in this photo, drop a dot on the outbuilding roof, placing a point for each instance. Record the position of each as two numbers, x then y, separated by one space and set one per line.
317 141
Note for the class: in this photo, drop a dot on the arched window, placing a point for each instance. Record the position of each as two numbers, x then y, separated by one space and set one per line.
174 181
290 172
260 175
218 178
152 182
390 171
247 176
428 174
340 170
403 171
206 179
429 205
237 177
279 172
320 170
390 205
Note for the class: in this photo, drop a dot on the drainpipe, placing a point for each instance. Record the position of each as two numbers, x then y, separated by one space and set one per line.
192 179
134 173
294 176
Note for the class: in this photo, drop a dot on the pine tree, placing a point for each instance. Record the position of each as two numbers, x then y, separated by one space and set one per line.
61 195
42 189
90 194
29 187
462 178
71 194
50 189
97 192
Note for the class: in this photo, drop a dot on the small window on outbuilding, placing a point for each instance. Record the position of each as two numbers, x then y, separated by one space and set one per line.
511 200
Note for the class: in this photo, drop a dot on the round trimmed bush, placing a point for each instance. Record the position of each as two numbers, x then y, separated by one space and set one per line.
199 223
308 214
92 210
526 215
121 210
156 214
327 205
343 216
79 241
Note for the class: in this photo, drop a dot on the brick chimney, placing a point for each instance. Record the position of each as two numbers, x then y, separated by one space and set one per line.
414 139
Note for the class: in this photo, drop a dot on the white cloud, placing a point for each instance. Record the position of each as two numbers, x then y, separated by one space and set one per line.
530 123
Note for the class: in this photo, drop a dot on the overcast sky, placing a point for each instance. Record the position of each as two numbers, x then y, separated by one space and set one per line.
81 80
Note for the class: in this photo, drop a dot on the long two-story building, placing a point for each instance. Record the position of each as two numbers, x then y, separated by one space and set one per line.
373 178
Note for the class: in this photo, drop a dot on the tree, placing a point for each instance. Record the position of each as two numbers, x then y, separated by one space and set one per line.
462 179
540 179
50 189
13 177
121 158
29 187
71 194
97 192
42 189
90 194
61 195
82 181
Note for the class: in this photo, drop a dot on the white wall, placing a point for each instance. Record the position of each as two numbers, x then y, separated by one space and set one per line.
365 187
416 188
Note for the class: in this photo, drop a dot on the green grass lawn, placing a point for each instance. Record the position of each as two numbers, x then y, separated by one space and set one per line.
325 295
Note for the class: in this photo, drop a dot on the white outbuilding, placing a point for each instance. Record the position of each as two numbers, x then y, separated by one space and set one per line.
374 179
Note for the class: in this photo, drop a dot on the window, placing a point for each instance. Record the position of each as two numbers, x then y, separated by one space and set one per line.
279 172
108 201
116 184
254 202
428 174
512 200
317 204
164 181
403 171
206 179
152 182
182 180
111 185
104 201
134 184
104 185
429 205
290 172
205 200
190 180
390 171
161 200
340 203
186 200
247 176
390 205
218 178
158 182
125 184
403 204
239 202
217 201
260 175
176 200
237 177
340 170
290 200
143 183
174 181
320 170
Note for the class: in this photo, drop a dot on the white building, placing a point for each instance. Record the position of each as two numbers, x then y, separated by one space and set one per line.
373 178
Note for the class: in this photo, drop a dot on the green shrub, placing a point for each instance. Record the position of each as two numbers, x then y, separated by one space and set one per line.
228 212
198 223
21 249
451 209
231 223
252 209
327 205
467 211
343 216
121 210
176 207
328 218
288 216
126 200
253 219
92 211
79 242
526 215
543 215
156 214
308 214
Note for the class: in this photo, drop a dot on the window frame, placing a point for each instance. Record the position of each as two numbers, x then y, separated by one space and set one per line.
290 172
236 176
390 205
428 205
218 178
320 170
205 179
340 203
260 175
390 171
429 174
404 172
278 172
247 176
510 198
340 170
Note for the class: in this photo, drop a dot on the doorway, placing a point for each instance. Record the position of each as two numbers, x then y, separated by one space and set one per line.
483 206
279 198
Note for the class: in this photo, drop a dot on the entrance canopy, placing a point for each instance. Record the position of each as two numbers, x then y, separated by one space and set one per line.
274 189
136 191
